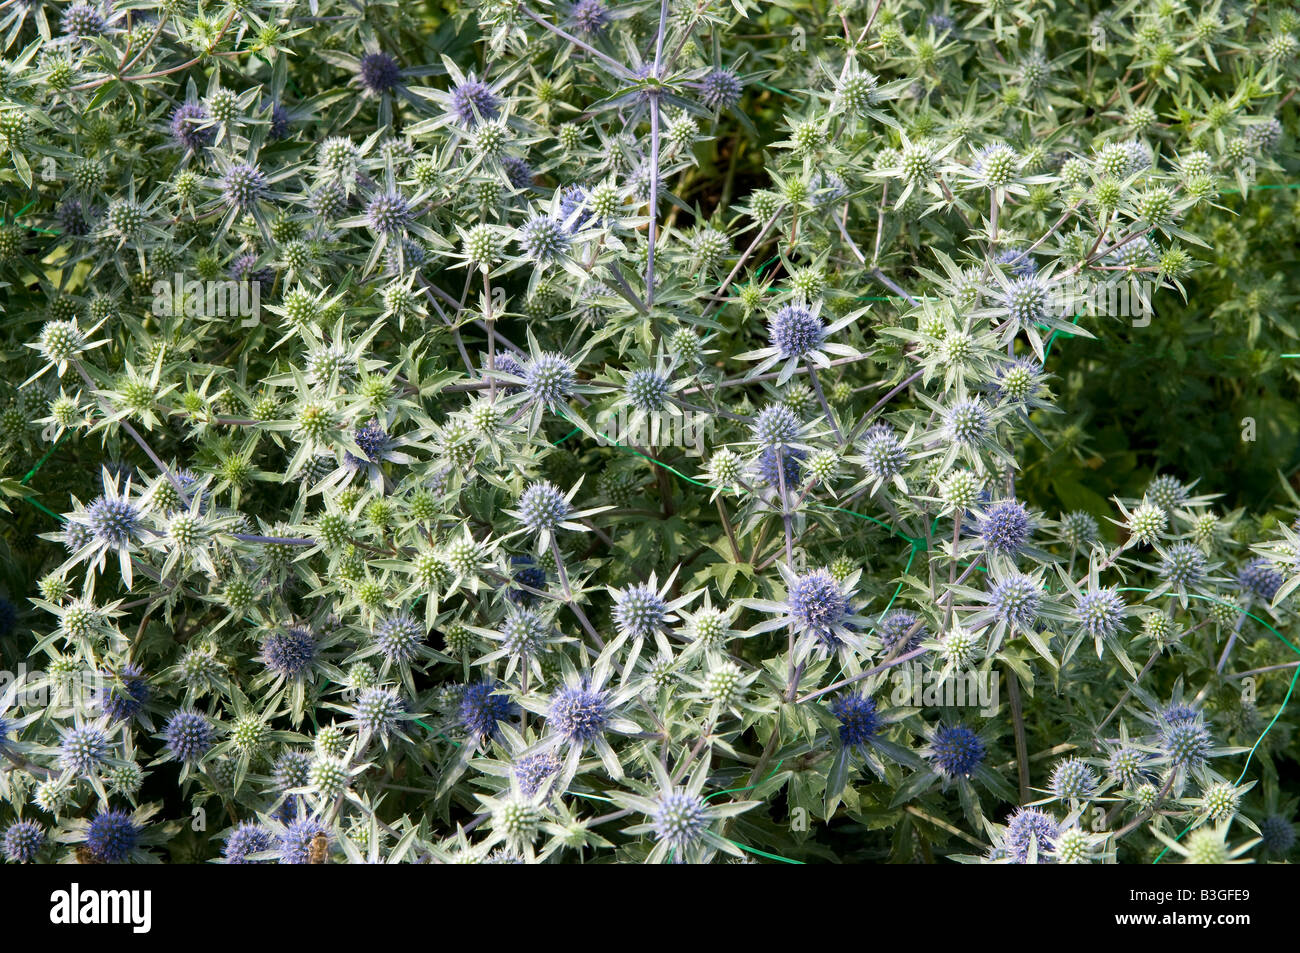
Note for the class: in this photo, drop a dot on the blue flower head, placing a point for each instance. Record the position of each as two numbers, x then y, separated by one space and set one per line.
187 128
113 522
795 330
527 573
543 238
76 535
966 421
481 709
399 637
1016 600
1185 739
533 771
896 625
720 89
188 735
1027 300
379 72
280 125
549 379
74 218
373 440
1139 156
245 268
248 837
542 507
817 603
296 840
289 651
1258 577
859 721
589 16
647 390
1031 826
1073 778
956 751
789 460
579 714
83 20
942 24
329 200
388 212
126 700
827 188
1021 265
243 185
23 840
1184 565
573 207
1277 833
518 172
1100 613
506 364
883 453
679 818
1179 712
1134 253
379 710
775 426
639 610
112 835
291 770
406 255
83 749
1005 527
473 101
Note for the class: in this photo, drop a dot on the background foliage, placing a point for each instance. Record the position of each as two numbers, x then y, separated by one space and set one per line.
362 577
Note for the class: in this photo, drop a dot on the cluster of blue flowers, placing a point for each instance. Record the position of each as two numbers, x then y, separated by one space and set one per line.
417 446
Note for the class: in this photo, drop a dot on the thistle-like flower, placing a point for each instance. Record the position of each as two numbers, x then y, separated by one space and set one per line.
956 751
679 817
22 842
818 609
858 719
720 89
473 101
289 652
581 713
799 336
1073 779
1005 527
188 736
379 73
642 610
111 836
191 126
245 839
114 522
483 706
589 16
1031 836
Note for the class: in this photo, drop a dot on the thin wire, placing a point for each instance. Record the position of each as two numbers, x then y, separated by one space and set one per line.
41 462
750 787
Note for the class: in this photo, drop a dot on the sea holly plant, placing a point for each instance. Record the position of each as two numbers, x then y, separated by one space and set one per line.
616 432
